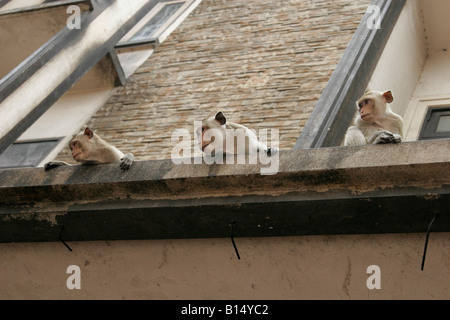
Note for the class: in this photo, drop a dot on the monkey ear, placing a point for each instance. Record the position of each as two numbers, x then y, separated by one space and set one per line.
221 118
388 96
89 133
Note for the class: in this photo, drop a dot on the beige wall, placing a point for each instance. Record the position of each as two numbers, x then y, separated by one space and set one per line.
403 58
432 91
315 267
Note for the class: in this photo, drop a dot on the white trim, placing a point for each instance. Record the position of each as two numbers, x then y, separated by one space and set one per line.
133 57
66 117
33 91
170 25
416 112
178 19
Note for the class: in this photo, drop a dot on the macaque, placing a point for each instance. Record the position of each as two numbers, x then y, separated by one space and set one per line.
228 131
375 122
88 148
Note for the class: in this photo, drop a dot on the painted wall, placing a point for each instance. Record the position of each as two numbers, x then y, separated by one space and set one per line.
433 90
33 29
434 80
316 267
403 58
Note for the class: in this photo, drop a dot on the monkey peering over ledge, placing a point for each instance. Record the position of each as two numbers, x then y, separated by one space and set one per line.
375 122
88 148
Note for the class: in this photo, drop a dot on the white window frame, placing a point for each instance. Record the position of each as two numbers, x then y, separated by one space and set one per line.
131 55
417 111
171 24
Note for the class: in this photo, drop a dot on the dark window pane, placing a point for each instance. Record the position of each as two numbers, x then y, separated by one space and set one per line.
26 154
443 124
436 125
147 31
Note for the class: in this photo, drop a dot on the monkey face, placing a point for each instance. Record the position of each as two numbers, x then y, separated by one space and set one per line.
366 108
372 105
210 128
204 134
78 152
80 146
203 143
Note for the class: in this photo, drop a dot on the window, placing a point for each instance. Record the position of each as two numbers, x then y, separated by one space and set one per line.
141 41
149 29
436 124
27 153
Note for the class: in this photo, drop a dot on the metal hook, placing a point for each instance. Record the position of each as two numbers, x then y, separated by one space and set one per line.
426 241
232 240
61 239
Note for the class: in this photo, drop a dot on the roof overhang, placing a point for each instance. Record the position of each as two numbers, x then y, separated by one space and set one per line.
326 191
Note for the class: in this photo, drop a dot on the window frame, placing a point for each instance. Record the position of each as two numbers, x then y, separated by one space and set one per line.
431 122
56 141
129 54
164 30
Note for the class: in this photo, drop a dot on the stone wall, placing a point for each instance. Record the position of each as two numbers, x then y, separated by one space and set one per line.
263 63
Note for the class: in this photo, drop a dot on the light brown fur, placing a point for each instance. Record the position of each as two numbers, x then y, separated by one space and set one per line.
375 122
88 148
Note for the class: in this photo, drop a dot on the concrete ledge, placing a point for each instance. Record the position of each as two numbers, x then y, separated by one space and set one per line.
347 190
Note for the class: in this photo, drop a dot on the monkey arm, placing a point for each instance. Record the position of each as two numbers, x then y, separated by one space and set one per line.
54 164
354 137
126 161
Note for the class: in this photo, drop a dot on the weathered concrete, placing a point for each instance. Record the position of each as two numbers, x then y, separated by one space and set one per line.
369 189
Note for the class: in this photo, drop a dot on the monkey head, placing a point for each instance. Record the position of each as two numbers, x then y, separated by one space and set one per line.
80 145
373 105
89 148
214 124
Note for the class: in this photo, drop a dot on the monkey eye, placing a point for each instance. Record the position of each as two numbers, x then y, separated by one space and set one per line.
363 103
74 144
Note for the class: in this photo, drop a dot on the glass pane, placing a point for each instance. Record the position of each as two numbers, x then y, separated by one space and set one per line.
443 124
147 31
26 154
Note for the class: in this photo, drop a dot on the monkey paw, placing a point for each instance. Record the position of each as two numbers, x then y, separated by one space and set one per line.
387 137
397 139
126 161
51 165
125 164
